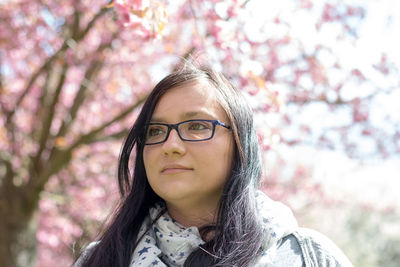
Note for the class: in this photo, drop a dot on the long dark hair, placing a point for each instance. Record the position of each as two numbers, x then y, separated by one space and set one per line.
237 232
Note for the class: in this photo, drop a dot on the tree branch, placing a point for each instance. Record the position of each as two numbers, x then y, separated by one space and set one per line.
6 180
49 61
60 158
90 73
115 136
2 107
41 108
79 97
88 138
45 132
45 66
82 34
75 25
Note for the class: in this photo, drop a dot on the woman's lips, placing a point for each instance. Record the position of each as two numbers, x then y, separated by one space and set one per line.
169 169
174 170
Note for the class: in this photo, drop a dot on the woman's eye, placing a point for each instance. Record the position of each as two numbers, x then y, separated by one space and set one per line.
196 126
155 132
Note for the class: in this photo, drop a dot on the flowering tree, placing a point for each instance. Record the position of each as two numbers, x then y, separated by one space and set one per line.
75 73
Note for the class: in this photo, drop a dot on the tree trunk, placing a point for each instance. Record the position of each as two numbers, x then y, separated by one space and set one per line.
18 226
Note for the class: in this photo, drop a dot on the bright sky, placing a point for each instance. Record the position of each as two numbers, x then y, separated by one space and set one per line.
379 32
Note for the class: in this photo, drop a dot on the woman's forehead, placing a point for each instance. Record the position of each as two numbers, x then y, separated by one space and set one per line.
195 93
189 100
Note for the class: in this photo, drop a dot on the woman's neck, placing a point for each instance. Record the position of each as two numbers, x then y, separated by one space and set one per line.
192 216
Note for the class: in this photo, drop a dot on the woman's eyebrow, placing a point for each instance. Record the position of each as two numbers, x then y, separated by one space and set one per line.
156 119
184 116
190 115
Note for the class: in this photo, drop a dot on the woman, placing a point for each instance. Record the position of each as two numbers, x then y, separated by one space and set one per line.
193 198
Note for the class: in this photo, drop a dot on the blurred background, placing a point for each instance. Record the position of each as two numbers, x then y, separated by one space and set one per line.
321 76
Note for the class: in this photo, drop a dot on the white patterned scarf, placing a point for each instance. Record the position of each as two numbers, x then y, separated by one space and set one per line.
167 243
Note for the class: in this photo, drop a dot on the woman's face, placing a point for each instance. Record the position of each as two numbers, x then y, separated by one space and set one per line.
193 172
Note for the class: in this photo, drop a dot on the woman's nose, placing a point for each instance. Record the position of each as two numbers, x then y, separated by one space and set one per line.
174 144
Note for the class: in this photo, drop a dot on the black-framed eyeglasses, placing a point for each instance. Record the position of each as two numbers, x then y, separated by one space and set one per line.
191 130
